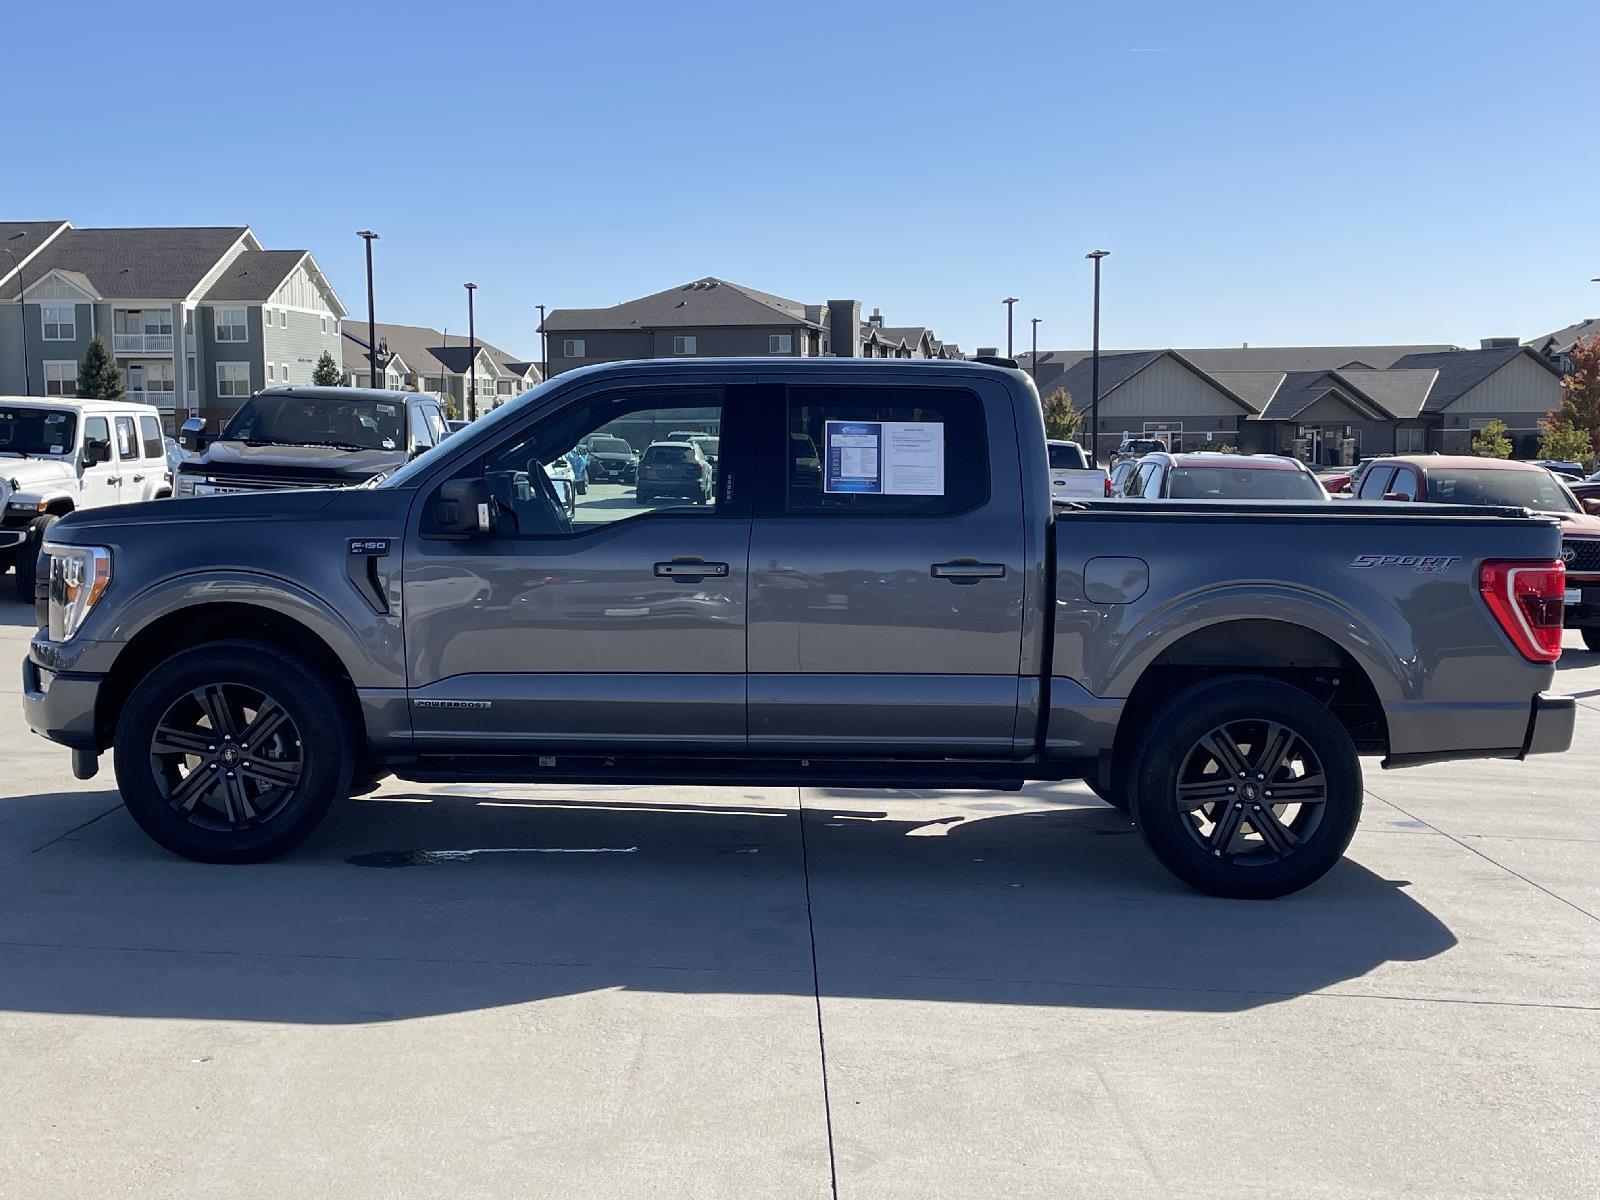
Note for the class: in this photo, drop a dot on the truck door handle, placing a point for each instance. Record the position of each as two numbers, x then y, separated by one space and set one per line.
967 570
138 478
691 570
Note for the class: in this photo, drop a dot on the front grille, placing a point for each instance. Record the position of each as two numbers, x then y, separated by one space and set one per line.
255 483
1582 555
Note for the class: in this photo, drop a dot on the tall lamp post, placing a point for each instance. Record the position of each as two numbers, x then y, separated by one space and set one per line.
1034 363
472 357
27 378
1010 302
544 347
369 237
1094 374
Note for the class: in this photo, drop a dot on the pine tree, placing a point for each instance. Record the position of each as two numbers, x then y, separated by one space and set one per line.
1491 441
327 373
1061 420
99 378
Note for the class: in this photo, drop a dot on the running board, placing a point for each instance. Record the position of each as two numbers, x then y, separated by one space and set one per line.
797 772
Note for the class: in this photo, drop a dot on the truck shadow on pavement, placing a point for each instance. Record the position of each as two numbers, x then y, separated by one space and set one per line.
538 896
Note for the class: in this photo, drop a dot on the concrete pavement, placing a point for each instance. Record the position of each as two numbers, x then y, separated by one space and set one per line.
1014 999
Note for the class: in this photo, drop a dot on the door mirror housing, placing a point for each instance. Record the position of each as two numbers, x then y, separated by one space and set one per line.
1591 506
192 437
461 508
96 452
1396 496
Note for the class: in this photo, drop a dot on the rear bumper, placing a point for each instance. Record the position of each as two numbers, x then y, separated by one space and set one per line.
1550 725
1429 733
60 705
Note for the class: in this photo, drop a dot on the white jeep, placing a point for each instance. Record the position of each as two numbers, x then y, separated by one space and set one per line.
60 454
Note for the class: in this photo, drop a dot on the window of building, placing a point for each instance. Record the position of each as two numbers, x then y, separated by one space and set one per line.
150 435
953 416
269 373
192 375
233 380
283 318
572 348
156 321
780 343
324 324
61 378
60 322
683 344
233 325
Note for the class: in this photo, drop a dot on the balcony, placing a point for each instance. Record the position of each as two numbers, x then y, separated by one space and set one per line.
166 401
141 343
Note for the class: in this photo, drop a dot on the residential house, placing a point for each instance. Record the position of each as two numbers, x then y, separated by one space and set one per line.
416 358
197 318
1327 405
712 317
1557 346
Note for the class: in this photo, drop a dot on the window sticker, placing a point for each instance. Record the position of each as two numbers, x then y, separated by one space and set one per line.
885 458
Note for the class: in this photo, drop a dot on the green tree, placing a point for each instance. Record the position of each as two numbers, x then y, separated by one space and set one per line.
1061 420
1491 441
1564 442
99 378
1580 397
327 373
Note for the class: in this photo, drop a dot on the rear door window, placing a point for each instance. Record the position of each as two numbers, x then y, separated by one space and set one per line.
1405 483
879 451
1375 483
150 435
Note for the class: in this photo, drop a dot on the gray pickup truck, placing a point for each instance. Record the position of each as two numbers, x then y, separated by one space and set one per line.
878 592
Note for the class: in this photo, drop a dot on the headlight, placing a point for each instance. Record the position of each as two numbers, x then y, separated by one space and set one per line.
26 506
183 485
79 576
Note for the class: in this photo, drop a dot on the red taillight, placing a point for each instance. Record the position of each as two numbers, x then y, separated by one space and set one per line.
1528 599
1108 486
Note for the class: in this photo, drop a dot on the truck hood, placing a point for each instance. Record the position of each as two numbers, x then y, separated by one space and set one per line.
302 465
1579 524
357 505
23 476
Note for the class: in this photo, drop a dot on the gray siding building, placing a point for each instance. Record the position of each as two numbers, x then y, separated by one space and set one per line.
197 318
414 358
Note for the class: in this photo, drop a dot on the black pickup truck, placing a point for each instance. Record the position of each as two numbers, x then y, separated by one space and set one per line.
295 437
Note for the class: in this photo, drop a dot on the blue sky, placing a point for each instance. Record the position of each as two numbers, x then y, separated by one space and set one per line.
1272 173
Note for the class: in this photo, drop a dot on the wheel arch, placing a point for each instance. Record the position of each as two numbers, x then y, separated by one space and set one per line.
1269 648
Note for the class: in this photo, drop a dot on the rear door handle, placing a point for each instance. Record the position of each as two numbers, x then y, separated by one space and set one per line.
968 570
691 570
138 478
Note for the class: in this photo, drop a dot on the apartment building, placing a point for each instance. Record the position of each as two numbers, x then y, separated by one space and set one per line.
712 317
1328 405
198 318
416 358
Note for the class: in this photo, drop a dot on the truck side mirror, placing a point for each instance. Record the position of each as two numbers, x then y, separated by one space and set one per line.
192 437
1396 496
95 452
1592 507
461 508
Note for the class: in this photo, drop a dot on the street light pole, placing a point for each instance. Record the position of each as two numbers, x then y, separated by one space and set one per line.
22 310
472 356
1034 363
369 237
1009 302
1094 385
544 348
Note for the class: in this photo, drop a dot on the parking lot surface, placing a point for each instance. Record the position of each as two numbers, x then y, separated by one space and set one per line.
481 990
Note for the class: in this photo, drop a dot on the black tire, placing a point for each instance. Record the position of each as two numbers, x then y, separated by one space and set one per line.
250 820
1591 638
27 555
1247 719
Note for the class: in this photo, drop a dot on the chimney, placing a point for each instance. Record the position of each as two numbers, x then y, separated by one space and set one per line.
988 352
844 328
876 318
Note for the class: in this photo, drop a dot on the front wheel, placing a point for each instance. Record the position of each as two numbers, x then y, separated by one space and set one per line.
1246 787
1591 638
233 752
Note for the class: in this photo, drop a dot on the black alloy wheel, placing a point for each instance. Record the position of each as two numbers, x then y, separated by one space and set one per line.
226 756
1251 792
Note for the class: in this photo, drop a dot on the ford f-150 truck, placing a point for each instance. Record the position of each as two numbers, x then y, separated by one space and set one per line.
879 592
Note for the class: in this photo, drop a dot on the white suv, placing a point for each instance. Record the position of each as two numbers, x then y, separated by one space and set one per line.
60 454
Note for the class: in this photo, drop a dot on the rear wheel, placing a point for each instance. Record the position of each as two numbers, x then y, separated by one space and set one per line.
1591 638
233 752
1246 787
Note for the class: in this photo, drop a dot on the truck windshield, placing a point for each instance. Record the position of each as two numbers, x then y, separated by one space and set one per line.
1067 458
1243 483
358 423
37 430
1538 489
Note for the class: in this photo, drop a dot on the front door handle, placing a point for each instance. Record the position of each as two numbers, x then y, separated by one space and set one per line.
691 570
968 570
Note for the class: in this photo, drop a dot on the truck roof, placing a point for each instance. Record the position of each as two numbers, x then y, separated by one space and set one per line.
79 402
342 393
1460 462
1246 462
